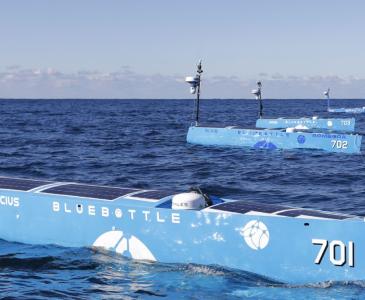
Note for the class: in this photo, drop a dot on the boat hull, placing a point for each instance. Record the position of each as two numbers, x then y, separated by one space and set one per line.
151 230
346 125
354 110
274 139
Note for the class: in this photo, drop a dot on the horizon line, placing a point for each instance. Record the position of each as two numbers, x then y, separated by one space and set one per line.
244 99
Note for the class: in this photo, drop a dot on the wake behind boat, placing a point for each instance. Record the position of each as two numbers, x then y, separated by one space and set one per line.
284 243
289 138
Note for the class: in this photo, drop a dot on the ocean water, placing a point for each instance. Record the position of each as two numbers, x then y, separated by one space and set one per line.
141 144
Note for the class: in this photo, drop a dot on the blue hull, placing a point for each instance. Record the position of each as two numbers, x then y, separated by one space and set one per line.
354 110
274 139
283 243
347 125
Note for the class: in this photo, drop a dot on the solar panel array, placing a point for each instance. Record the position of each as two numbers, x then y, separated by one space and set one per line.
89 191
153 195
313 213
246 206
19 184
80 190
112 193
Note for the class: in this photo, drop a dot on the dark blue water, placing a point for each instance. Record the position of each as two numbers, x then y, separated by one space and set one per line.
141 144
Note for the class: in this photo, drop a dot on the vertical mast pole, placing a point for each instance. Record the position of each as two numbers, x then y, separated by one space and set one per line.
197 102
257 94
327 94
260 99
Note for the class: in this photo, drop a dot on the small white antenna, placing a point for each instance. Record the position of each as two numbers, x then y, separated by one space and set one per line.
257 93
327 93
194 82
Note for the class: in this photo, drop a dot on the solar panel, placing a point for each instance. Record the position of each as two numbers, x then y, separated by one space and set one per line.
20 184
313 213
89 191
246 206
153 195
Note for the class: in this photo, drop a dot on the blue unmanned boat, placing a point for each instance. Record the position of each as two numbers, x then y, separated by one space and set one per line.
333 124
236 136
350 110
283 243
288 138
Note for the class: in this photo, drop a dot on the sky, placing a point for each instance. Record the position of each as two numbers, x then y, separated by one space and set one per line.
144 49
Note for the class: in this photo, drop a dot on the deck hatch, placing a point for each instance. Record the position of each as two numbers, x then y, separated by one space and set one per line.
89 191
246 206
20 184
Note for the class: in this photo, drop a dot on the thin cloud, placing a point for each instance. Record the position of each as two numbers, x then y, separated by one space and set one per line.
17 82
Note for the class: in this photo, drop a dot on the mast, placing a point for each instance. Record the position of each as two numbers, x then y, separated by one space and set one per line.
195 88
197 108
257 94
327 94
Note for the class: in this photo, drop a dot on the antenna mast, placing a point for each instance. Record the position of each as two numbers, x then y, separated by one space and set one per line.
327 94
195 88
197 108
257 94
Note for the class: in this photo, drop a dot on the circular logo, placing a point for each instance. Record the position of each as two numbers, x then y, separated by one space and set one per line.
329 123
256 235
301 139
